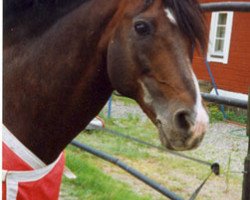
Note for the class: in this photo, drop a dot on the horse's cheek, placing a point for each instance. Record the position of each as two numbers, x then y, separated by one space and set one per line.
119 68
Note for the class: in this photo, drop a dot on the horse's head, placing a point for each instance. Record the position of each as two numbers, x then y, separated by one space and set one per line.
149 60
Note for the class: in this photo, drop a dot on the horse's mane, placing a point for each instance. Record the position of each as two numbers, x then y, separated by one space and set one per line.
189 19
39 14
17 7
36 15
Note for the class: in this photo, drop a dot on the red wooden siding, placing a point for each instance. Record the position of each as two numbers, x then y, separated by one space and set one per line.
235 75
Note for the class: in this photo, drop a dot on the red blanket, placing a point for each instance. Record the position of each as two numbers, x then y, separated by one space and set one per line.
25 176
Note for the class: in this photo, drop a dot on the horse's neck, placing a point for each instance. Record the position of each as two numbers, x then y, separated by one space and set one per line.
60 82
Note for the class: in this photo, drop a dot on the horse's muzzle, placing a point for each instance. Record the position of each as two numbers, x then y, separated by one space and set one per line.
183 129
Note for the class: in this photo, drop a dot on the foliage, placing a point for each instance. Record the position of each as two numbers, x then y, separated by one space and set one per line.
241 118
216 115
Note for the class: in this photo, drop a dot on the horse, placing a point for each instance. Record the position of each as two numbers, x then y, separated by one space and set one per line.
62 59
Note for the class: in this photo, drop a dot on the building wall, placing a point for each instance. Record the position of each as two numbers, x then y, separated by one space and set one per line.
235 75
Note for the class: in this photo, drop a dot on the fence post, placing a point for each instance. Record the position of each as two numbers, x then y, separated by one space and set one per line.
246 178
109 106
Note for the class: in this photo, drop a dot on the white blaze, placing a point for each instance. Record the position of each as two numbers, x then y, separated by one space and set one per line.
170 16
201 113
147 96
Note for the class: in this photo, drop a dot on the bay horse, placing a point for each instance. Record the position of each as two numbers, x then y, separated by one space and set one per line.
63 58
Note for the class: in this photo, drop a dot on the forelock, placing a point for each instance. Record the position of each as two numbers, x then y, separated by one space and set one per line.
190 20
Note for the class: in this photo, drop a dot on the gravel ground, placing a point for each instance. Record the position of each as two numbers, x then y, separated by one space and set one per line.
222 141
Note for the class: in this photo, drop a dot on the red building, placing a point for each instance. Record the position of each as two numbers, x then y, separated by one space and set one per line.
228 50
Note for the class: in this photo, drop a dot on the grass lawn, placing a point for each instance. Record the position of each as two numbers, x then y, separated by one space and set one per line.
91 182
100 180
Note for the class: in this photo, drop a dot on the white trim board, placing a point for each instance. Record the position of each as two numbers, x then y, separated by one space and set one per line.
213 56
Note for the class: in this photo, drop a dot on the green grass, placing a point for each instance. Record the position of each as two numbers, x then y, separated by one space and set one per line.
216 115
120 146
137 155
125 100
95 183
91 182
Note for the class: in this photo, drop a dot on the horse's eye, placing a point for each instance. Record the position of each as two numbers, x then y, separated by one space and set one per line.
142 28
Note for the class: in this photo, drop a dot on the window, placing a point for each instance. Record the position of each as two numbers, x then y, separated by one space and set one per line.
220 36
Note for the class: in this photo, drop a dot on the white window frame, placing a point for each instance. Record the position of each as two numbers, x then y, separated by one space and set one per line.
212 56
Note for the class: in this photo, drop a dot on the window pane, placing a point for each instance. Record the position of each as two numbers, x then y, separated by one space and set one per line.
222 19
219 45
221 32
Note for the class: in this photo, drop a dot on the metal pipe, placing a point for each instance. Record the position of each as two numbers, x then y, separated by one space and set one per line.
109 106
215 86
128 169
246 177
226 6
116 133
225 100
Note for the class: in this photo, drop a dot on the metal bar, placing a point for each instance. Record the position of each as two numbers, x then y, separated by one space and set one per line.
246 177
109 106
226 6
129 169
116 133
225 100
215 86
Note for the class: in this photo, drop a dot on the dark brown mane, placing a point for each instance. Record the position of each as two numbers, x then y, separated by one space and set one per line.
35 16
41 13
190 20
19 7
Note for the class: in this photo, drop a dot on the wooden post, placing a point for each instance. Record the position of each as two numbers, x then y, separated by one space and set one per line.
246 178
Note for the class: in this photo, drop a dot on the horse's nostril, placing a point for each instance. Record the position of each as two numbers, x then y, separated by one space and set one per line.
183 120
